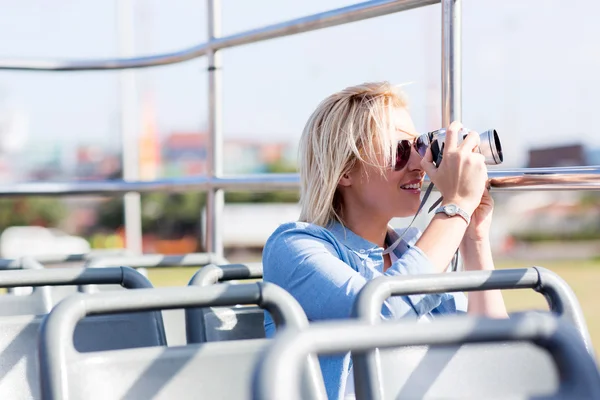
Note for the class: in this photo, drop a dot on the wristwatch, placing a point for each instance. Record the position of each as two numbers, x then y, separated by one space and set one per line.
452 210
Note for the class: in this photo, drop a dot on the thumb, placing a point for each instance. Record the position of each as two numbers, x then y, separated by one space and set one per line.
427 164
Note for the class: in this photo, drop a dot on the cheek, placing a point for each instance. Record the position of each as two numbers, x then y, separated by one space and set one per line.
386 192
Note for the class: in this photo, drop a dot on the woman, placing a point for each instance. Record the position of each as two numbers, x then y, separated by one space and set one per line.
359 168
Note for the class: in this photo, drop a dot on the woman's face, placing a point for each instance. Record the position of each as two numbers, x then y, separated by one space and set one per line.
393 193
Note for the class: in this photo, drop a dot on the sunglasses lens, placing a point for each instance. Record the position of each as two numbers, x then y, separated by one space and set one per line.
421 145
402 154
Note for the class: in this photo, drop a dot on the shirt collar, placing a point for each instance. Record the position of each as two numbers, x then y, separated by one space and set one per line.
350 239
358 243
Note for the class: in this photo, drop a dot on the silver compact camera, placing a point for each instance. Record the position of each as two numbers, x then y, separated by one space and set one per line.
489 145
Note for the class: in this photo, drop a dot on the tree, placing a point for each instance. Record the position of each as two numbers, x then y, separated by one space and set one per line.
167 214
276 196
21 211
172 215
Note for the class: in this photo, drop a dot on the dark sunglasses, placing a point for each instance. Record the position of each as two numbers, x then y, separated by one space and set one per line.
404 149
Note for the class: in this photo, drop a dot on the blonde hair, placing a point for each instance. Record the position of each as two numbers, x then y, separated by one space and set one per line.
355 124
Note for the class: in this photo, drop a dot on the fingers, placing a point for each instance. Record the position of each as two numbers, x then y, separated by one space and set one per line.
427 163
471 142
452 132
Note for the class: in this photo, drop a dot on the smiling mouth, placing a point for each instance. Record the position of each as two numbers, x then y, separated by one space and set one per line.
411 186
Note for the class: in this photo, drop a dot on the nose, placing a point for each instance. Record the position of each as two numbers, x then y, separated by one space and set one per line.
414 162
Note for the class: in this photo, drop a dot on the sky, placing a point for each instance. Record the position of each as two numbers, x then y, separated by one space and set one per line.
530 68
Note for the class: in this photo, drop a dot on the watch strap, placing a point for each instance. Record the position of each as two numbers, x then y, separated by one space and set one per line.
453 210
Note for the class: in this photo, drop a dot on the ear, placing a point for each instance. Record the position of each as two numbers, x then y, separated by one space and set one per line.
345 180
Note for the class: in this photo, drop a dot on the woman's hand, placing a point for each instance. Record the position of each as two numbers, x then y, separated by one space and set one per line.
461 179
462 175
481 220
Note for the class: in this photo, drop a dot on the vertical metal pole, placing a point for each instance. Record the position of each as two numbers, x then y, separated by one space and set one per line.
451 62
129 125
215 198
452 73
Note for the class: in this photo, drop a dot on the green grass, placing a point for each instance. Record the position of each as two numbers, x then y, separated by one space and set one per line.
584 279
582 276
170 276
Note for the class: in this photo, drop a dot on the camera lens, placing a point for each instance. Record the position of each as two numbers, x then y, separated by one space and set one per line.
491 147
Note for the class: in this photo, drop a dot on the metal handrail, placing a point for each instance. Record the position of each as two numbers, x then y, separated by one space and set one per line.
559 295
56 332
215 183
278 372
195 327
338 16
563 178
578 178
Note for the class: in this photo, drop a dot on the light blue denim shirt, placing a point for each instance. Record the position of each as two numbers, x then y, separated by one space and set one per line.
324 269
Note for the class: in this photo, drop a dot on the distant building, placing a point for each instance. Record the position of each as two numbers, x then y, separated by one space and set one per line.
186 154
593 156
93 163
246 156
559 156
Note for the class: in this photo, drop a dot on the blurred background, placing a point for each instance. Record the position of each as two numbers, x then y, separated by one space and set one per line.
530 71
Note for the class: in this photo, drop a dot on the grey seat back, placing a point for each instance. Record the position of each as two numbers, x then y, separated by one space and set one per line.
473 371
550 339
233 323
19 377
174 320
19 373
224 323
433 372
209 370
37 303
201 371
52 285
33 301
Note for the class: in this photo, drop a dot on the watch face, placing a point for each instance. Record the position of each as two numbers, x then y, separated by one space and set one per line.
451 209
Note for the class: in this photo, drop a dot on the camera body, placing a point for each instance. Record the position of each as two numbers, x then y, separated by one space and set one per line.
489 145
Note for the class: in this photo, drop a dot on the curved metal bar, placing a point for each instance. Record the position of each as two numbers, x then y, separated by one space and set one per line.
195 328
339 16
132 279
562 300
74 276
157 260
211 274
56 332
278 372
569 178
367 306
42 278
151 261
560 297
44 291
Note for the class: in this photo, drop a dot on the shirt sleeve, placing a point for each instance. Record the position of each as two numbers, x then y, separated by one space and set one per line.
414 262
452 303
311 267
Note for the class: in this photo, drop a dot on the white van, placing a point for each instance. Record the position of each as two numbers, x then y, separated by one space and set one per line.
19 241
